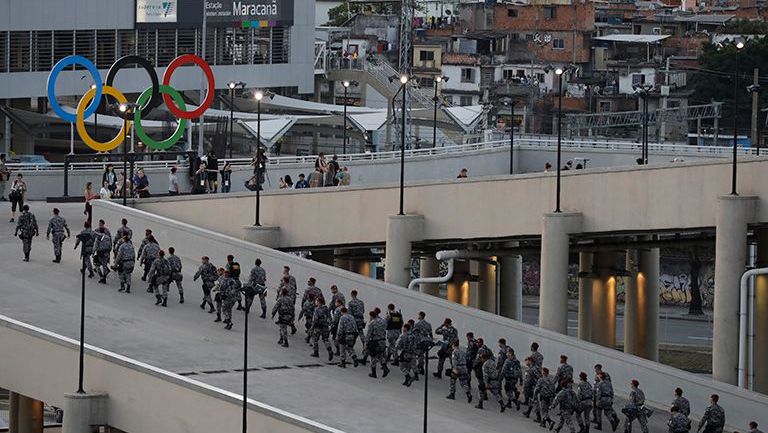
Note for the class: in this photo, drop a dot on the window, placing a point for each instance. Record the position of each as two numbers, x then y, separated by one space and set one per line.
465 100
448 99
604 106
558 44
638 79
657 30
467 75
426 82
514 37
529 37
673 103
540 77
550 12
512 13
425 55
508 74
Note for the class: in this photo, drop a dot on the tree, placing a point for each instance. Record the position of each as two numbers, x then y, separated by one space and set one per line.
696 304
745 27
340 14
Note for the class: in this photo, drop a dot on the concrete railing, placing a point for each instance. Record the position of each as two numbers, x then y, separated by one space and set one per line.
141 398
658 381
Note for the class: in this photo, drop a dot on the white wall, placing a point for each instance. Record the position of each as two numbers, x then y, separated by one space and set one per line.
453 72
625 81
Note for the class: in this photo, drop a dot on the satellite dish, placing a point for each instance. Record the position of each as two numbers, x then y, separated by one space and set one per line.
448 12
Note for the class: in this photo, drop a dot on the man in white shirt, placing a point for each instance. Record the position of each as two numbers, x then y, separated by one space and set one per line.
173 182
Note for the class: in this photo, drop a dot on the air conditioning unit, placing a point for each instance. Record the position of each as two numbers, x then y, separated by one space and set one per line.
665 90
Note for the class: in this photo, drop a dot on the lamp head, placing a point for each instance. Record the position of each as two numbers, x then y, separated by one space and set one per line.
346 83
123 108
231 84
559 71
403 79
259 95
739 45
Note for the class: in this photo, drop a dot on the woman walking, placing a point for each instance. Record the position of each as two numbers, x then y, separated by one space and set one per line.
90 195
18 191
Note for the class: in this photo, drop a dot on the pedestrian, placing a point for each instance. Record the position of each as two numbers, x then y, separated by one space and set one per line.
544 392
141 184
346 336
160 278
375 343
125 260
463 174
405 354
102 246
212 166
284 309
57 226
216 290
512 374
678 422
104 192
17 194
423 331
148 251
547 167
537 357
635 409
604 398
230 293
226 178
478 366
681 402
302 182
90 195
311 289
207 273
200 179
357 311
258 281
753 427
491 379
471 352
459 372
288 181
321 322
316 178
173 182
568 403
86 250
26 229
448 334
332 170
5 175
502 353
713 420
281 183
394 333
109 179
346 178
234 273
307 312
123 186
120 234
335 319
564 372
336 296
586 397
174 262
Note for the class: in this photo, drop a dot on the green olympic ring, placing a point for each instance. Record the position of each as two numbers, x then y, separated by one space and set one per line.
180 126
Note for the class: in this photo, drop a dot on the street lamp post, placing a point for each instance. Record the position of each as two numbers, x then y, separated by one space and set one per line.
438 80
511 104
739 45
259 95
245 369
81 366
346 85
643 91
126 111
232 86
404 83
560 72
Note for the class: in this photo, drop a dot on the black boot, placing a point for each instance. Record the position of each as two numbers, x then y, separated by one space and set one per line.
307 339
373 373
615 422
517 405
503 406
240 306
330 354
415 377
90 274
165 302
211 310
218 318
202 306
527 413
355 362
103 280
229 326
479 404
122 287
451 396
384 370
159 299
343 364
263 314
364 360
26 257
315 354
127 288
181 298
598 426
469 397
438 374
293 329
150 289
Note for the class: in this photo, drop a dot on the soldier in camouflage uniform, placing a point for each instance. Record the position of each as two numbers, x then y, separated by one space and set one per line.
206 271
284 309
258 280
335 319
423 331
564 372
125 260
174 262
512 373
102 246
216 291
307 312
289 284
635 409
531 377
544 392
234 272
57 226
713 420
346 336
147 254
491 379
394 331
405 353
321 322
678 422
376 344
477 367
230 294
501 355
536 357
148 238
356 309
459 371
449 333
681 402
120 234
753 427
568 403
586 396
26 229
160 278
336 296
604 398
86 238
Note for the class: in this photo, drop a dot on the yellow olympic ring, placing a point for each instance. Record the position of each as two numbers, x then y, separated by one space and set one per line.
80 122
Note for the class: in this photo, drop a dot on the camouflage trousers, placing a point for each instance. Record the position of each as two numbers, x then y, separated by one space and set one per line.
443 354
494 387
26 246
321 334
176 278
58 240
462 376
510 387
377 350
101 260
347 343
161 289
570 419
606 409
392 336
586 410
543 409
226 306
408 364
639 415
124 272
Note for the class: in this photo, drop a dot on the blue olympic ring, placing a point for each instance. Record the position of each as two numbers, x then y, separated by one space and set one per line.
58 68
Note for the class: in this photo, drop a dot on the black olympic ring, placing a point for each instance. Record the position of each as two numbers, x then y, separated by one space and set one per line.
156 99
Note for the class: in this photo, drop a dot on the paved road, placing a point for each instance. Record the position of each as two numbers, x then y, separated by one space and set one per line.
184 339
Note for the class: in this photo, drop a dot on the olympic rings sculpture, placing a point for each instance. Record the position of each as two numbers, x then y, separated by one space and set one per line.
149 99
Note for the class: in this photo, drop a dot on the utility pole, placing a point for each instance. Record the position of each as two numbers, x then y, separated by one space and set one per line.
755 107
203 88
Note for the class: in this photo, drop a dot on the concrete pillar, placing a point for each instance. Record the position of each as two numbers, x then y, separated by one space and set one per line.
7 135
30 415
553 313
760 357
585 297
323 256
641 310
486 287
81 411
361 267
604 300
13 412
340 260
267 236
511 299
429 267
402 230
459 286
733 215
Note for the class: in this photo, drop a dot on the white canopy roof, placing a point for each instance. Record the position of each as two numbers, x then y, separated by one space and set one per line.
369 121
467 117
632 39
271 130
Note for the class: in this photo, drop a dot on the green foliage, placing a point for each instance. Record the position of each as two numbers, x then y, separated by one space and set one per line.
341 13
746 27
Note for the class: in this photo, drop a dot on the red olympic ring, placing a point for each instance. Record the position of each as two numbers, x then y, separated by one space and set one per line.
182 60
